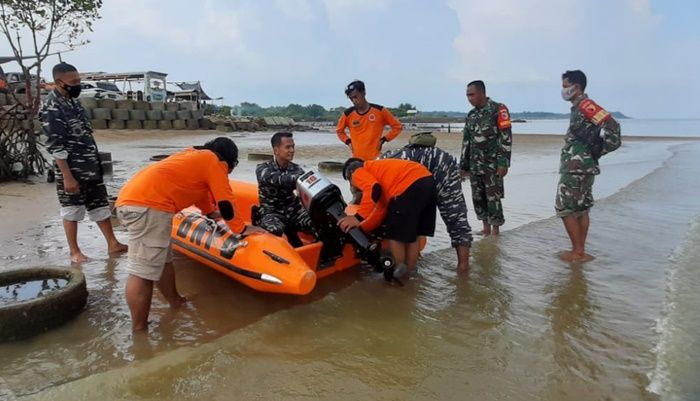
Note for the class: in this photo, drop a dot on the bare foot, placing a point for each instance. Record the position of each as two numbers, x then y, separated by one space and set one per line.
575 257
178 302
78 257
117 248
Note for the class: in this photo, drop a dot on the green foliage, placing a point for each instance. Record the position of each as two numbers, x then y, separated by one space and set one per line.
312 112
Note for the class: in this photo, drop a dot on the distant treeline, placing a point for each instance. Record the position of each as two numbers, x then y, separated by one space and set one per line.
315 112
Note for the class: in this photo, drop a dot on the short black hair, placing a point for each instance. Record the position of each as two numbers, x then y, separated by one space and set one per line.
62 68
355 85
224 148
350 166
575 77
276 139
479 84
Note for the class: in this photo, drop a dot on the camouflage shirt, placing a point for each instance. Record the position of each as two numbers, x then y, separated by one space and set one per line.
487 139
276 186
576 155
70 136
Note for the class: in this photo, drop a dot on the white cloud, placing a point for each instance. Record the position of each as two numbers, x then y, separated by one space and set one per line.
515 41
298 10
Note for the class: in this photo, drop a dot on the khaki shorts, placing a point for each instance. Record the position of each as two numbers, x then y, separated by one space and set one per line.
149 240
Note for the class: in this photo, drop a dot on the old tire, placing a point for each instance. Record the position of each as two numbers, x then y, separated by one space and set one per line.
23 319
330 166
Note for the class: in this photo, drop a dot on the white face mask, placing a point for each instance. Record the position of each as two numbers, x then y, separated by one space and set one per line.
568 93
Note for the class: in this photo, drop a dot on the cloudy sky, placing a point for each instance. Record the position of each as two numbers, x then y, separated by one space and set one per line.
642 57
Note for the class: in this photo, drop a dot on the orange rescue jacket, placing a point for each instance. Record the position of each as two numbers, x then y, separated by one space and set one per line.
366 130
393 176
190 177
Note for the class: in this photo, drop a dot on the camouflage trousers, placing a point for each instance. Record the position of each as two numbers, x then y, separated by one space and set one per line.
487 192
294 218
453 209
574 194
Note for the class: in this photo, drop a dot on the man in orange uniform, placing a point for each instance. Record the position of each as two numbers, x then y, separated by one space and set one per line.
147 203
366 122
402 195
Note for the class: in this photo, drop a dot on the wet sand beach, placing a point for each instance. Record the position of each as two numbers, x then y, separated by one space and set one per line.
522 325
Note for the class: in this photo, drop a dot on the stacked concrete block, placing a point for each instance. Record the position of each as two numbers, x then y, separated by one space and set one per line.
137 115
150 124
133 114
126 104
141 105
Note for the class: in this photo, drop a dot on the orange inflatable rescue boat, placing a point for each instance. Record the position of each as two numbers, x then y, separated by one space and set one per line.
269 263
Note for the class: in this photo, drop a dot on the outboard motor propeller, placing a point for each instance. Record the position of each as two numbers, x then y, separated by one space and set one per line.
324 202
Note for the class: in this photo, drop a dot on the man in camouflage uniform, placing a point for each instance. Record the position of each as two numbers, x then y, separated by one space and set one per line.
450 198
592 133
281 211
76 162
486 155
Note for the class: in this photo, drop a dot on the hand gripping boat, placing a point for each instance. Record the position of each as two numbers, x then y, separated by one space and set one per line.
269 263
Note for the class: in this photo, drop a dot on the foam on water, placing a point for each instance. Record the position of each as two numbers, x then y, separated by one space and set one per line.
678 351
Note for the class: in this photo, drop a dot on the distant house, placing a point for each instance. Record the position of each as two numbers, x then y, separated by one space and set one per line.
411 112
187 91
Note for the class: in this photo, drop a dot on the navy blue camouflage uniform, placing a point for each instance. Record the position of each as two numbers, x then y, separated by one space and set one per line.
280 209
450 198
70 138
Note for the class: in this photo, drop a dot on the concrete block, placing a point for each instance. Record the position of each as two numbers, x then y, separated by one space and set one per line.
165 124
150 124
120 114
88 102
172 106
197 114
126 104
98 124
157 106
116 124
192 124
154 115
88 113
169 115
184 114
141 105
101 114
134 124
179 124
137 115
107 103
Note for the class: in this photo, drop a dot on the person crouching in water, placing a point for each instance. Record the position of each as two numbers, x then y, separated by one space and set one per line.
402 195
281 211
450 198
147 203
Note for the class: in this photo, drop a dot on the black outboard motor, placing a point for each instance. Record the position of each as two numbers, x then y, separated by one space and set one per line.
324 202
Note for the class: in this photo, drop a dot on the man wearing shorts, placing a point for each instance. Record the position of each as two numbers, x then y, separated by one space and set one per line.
196 176
400 194
77 164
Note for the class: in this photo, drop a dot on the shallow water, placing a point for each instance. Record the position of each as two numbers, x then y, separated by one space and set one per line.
24 290
520 325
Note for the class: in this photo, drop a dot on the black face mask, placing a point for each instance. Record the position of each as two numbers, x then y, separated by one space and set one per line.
73 90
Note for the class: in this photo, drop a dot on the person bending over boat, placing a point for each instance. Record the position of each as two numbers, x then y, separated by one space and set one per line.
146 204
281 211
402 195
450 198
